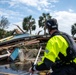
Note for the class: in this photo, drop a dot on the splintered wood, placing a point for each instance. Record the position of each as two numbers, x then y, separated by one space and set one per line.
18 44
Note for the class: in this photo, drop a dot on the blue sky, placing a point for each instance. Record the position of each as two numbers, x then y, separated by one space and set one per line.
63 10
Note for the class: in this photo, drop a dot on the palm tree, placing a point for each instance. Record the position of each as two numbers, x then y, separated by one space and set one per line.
42 20
73 29
29 23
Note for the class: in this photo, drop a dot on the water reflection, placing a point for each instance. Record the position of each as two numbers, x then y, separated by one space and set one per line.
18 69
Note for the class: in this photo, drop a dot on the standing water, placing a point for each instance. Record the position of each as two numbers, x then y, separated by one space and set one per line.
15 69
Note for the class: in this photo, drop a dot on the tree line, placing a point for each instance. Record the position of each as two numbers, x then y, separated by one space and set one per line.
29 24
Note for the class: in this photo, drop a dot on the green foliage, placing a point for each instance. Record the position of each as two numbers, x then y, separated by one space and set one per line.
29 23
4 33
4 23
34 27
8 33
42 20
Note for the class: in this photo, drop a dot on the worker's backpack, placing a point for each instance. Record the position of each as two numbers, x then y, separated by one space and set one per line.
71 50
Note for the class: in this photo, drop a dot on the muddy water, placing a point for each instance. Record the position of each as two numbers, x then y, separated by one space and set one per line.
15 69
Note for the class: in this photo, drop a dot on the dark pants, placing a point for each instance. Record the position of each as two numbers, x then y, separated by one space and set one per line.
66 70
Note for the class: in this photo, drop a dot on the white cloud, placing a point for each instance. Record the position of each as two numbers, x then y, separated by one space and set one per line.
29 2
65 20
39 4
13 26
2 12
70 10
10 14
12 4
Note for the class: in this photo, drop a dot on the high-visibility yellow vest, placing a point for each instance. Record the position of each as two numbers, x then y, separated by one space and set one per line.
55 45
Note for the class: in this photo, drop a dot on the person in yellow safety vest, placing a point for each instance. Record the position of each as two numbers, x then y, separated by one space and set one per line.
55 55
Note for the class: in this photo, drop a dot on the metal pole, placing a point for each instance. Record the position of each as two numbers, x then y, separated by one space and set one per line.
37 57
